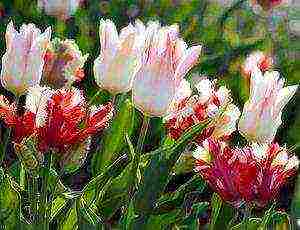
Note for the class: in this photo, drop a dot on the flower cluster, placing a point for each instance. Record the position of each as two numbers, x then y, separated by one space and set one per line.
149 60
253 174
59 119
209 103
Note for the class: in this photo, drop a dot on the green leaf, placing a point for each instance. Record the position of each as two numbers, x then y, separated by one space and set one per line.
252 224
57 205
113 140
93 188
175 199
221 213
156 175
70 220
9 203
295 207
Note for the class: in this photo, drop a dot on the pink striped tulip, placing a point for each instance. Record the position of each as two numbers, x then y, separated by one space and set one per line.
120 56
165 62
261 115
23 62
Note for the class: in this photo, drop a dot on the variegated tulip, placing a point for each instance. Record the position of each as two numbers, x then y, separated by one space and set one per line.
187 110
63 64
23 62
61 9
120 56
253 175
165 62
256 59
261 115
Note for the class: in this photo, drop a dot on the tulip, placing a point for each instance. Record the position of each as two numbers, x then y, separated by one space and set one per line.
62 9
256 59
63 64
120 56
165 62
59 120
253 175
23 62
209 103
261 115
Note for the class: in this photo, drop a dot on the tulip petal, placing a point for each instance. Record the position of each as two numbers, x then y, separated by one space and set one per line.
187 62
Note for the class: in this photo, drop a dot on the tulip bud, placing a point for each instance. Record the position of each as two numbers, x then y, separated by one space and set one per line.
261 115
165 62
63 64
120 56
23 62
61 9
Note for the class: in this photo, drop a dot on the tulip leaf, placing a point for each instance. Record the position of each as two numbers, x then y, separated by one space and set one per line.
9 203
114 138
295 207
70 220
250 224
57 205
221 213
156 175
91 190
175 199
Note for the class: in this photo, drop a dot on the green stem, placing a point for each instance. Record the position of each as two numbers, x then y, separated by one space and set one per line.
137 154
43 208
33 193
247 215
143 132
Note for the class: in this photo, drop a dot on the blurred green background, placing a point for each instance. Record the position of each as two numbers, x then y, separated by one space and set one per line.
228 31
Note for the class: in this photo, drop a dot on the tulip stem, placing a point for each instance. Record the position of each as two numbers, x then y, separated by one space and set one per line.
143 132
43 209
137 154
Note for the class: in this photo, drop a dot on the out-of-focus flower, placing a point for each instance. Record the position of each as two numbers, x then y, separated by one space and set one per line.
120 56
165 62
187 110
59 119
2 10
252 175
256 59
23 62
63 64
61 9
267 5
261 115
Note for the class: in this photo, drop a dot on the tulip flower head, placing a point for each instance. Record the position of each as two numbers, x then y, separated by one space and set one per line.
120 56
165 62
256 59
59 119
23 62
210 103
261 115
63 64
252 175
61 9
